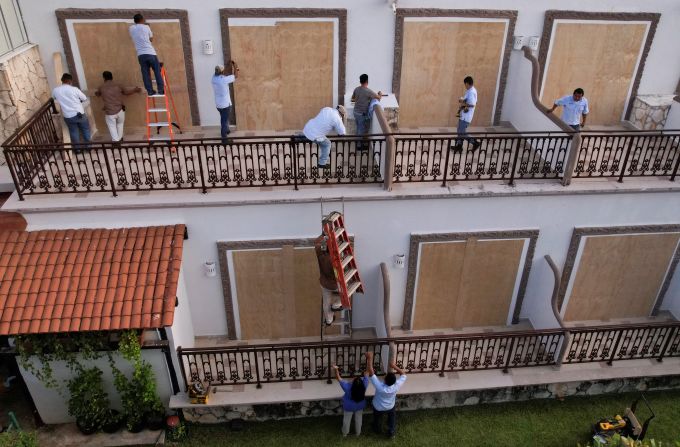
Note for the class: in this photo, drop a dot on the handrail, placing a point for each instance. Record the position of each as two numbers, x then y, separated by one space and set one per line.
31 120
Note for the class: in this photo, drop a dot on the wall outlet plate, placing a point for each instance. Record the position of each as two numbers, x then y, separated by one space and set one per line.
517 42
533 42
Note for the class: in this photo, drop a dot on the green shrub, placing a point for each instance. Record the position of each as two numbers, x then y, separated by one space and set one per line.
88 402
18 439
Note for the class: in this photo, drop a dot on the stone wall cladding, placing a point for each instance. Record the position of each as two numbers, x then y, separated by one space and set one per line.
23 90
213 415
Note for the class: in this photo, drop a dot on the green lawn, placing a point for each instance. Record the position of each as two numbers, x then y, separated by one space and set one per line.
533 423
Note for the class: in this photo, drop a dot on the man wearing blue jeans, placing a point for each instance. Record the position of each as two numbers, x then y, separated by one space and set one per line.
385 395
320 126
220 84
575 110
146 54
362 98
71 101
466 110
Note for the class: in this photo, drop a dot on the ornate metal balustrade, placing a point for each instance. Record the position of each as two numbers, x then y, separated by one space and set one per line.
500 156
628 154
257 364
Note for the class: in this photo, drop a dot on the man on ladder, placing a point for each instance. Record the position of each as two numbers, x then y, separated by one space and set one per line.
146 54
329 285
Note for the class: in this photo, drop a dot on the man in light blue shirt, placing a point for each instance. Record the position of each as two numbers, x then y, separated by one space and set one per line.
575 109
466 111
385 395
220 84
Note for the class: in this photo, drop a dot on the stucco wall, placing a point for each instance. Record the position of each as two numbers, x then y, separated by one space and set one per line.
370 37
182 331
23 89
381 229
673 120
53 404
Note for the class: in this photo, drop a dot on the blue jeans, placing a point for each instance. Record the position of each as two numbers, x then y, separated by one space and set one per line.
224 123
462 132
576 127
391 421
363 121
325 146
76 125
148 62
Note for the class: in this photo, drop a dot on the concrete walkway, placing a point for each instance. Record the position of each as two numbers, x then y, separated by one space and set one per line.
68 435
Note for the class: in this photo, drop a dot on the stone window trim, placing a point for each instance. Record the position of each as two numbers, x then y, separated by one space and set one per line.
101 14
402 13
414 249
224 246
340 14
551 15
582 232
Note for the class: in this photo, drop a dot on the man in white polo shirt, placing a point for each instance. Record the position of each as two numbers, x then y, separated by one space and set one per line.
575 109
71 100
220 84
146 54
320 126
466 111
385 396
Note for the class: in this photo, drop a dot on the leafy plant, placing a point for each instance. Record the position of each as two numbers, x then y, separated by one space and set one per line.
18 439
623 441
88 402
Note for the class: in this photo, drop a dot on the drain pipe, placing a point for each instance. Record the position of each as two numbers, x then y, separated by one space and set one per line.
556 311
386 311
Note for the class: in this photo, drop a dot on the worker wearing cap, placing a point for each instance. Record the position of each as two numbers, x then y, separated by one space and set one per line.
320 126
220 84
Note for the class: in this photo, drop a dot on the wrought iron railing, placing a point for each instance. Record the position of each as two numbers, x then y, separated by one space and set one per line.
500 156
628 154
191 164
258 364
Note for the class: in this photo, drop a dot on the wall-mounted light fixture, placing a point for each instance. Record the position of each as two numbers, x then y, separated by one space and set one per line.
208 47
393 5
210 269
399 261
517 42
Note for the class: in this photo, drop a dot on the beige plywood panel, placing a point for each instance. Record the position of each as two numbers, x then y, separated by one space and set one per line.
436 58
598 57
307 49
488 282
108 46
620 276
258 88
286 73
261 299
439 275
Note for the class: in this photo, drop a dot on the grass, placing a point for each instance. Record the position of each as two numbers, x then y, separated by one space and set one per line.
534 423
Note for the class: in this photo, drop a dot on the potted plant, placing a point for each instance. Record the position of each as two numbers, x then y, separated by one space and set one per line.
88 402
113 422
132 410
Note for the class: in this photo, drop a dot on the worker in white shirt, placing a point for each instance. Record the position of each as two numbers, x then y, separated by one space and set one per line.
575 109
220 84
466 111
142 37
71 100
320 126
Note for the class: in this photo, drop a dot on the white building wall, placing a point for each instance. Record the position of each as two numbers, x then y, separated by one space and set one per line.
182 331
381 229
370 37
52 404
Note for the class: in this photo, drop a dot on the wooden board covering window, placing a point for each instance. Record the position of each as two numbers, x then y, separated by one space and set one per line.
466 283
286 73
600 58
278 292
108 46
620 276
437 56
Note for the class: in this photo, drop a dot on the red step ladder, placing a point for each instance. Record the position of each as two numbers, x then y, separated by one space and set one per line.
163 109
342 258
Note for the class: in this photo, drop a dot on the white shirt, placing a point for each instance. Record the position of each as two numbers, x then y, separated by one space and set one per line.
220 85
471 99
572 110
385 395
70 99
322 124
141 36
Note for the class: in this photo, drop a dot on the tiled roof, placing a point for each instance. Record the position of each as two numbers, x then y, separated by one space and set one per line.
88 279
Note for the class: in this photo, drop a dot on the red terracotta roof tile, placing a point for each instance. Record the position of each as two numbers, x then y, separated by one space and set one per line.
88 279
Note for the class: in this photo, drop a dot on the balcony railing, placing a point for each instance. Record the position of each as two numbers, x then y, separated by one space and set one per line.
258 364
41 164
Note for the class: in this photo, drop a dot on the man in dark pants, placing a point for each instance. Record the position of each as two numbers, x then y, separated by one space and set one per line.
385 395
146 54
71 100
220 84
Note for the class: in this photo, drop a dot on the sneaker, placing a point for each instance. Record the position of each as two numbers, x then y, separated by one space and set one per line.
327 165
476 145
456 148
151 93
330 320
336 306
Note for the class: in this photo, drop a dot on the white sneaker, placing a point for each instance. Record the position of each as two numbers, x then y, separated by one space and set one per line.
337 306
329 319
